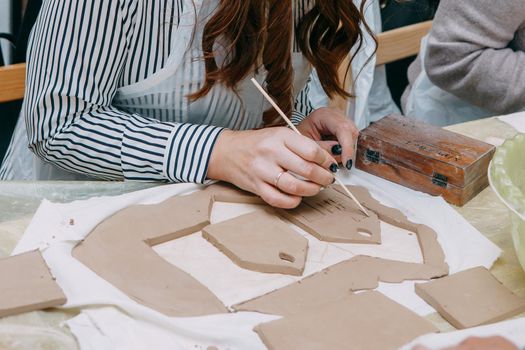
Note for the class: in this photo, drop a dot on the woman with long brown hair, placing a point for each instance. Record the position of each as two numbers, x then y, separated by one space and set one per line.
160 91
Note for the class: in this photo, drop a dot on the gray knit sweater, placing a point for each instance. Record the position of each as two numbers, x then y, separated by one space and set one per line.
476 51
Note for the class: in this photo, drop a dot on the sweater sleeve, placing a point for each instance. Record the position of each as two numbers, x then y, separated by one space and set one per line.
469 55
76 56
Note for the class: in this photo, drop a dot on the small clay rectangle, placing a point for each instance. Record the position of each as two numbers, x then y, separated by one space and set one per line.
365 321
471 298
27 285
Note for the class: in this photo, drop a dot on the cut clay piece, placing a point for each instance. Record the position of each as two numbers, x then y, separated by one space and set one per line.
174 218
358 273
365 321
389 215
260 241
333 217
119 250
27 285
471 298
431 249
336 282
225 192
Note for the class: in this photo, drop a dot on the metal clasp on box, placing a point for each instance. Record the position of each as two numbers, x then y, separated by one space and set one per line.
440 180
372 156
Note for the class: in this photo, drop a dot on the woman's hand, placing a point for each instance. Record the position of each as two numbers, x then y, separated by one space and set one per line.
331 124
261 161
476 343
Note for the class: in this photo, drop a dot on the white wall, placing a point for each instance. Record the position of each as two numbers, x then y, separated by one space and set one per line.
5 26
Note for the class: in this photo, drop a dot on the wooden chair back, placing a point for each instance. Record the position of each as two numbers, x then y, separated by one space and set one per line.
392 45
401 43
12 82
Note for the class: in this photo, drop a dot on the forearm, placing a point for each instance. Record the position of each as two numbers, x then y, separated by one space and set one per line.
113 145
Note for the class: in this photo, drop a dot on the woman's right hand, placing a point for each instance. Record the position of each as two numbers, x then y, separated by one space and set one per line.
253 159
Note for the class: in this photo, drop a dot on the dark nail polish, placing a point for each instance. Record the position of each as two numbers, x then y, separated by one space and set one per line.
334 168
349 164
333 181
337 150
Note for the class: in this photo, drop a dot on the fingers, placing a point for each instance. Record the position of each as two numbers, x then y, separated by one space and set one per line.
291 185
285 183
489 343
308 170
276 198
288 183
346 135
332 147
333 122
309 150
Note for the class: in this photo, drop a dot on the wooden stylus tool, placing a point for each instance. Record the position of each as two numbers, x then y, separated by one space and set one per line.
290 124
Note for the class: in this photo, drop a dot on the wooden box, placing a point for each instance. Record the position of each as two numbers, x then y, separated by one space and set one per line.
425 158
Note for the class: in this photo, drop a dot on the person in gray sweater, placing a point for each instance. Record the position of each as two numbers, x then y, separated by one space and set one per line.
476 52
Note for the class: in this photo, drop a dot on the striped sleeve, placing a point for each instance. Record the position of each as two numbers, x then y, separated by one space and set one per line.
302 106
75 58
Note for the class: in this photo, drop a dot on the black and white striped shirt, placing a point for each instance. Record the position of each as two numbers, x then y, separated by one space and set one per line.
80 53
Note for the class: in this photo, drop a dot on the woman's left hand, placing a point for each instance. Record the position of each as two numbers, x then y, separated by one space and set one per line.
333 125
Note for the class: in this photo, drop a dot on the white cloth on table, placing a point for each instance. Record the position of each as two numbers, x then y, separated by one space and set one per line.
516 120
111 320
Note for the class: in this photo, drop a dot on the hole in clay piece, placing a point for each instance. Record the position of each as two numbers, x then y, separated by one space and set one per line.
365 234
286 257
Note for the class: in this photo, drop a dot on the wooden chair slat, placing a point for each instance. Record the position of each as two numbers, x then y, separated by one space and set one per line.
12 82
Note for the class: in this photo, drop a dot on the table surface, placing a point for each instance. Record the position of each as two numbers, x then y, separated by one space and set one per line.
42 329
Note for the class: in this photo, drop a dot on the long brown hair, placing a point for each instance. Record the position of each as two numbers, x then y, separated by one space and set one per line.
259 32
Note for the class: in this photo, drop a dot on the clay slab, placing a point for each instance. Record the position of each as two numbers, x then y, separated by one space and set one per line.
332 217
431 250
176 217
27 285
471 298
358 273
119 250
365 321
225 192
336 282
260 241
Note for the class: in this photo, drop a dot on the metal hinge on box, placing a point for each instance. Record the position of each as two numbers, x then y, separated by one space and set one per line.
440 180
372 156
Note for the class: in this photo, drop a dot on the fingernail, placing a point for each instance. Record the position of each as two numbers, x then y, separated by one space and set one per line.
349 164
337 150
333 181
334 168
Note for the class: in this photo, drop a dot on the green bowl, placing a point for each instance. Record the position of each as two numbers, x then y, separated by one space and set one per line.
507 179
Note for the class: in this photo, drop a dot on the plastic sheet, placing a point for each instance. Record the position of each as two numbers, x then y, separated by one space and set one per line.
507 179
